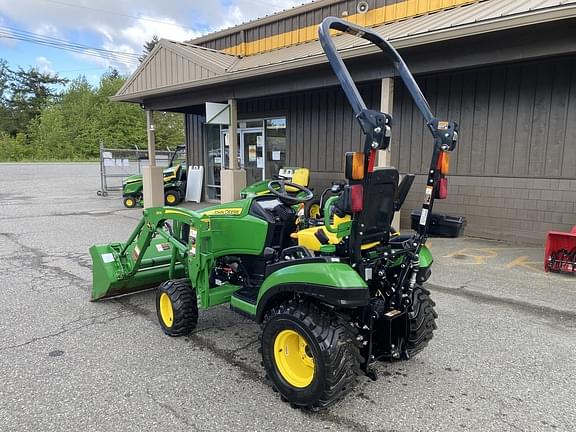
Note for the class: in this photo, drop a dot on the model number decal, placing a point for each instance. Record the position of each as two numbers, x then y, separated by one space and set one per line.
423 216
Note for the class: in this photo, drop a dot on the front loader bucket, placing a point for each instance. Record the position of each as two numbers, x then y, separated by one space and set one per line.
113 275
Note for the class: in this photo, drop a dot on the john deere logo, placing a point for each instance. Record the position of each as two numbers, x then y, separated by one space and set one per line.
224 212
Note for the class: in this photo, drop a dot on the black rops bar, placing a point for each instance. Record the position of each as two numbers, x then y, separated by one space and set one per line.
378 137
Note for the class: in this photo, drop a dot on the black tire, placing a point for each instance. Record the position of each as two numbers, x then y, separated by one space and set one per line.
182 300
312 209
422 322
331 344
130 202
172 197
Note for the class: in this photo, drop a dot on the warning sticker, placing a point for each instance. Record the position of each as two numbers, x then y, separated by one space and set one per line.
135 253
161 247
424 217
428 196
107 258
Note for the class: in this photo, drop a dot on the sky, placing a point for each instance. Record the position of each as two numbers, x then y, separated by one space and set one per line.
115 25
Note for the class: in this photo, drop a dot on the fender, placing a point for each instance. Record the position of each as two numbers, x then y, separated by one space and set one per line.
334 283
425 256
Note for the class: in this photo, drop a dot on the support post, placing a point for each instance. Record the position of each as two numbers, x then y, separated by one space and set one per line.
386 106
233 135
152 175
233 179
384 156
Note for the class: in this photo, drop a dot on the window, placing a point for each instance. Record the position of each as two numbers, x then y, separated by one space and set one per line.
275 134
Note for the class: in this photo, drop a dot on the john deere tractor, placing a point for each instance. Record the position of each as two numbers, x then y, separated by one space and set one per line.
300 176
332 298
174 182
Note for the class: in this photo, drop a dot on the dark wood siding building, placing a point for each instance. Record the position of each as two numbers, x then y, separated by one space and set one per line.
506 75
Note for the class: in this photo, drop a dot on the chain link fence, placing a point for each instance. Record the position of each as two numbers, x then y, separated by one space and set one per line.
117 164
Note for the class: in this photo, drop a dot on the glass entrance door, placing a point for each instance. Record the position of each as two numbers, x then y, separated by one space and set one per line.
250 153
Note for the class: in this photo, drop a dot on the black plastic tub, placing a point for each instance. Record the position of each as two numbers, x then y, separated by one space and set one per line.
441 225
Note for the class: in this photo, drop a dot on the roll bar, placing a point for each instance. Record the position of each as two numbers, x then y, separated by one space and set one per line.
375 124
444 133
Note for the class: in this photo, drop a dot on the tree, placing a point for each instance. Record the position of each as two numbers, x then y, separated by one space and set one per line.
30 91
5 76
72 123
148 47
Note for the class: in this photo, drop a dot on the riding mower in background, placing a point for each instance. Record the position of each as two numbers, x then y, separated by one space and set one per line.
296 175
174 182
300 176
329 309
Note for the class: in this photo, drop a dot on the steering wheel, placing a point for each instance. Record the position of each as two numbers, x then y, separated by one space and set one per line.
278 188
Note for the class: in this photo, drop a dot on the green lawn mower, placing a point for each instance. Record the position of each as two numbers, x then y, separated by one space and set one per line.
331 298
174 182
298 175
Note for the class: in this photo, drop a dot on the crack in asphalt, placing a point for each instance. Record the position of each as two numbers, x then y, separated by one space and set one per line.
93 320
36 261
171 410
563 317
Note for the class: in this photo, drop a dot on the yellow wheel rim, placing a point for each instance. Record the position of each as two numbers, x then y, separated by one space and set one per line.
129 203
166 311
315 211
170 199
293 358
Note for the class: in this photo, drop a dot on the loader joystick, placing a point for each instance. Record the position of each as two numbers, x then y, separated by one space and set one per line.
278 188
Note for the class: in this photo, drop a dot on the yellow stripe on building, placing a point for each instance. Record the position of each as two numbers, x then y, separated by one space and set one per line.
385 14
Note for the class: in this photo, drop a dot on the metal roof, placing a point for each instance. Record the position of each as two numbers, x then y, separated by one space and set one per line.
467 20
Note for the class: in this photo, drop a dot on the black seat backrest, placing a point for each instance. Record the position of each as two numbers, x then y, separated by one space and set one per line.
374 221
403 190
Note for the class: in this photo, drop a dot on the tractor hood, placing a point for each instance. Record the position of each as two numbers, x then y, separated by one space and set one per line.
168 173
133 179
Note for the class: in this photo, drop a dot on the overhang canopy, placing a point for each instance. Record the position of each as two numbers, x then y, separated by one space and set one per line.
174 67
172 64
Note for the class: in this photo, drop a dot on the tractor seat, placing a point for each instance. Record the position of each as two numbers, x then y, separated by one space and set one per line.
375 219
373 225
301 176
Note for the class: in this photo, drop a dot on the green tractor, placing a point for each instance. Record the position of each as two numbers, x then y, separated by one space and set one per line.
174 182
297 175
331 298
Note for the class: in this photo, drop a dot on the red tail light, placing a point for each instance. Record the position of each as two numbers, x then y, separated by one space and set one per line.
443 162
357 198
442 188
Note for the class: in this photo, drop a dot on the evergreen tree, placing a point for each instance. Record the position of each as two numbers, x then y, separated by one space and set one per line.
148 47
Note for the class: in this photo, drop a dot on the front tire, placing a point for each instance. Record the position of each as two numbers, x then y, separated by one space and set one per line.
422 322
130 202
171 197
176 307
309 354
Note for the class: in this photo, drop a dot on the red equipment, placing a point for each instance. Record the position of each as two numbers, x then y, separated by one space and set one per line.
560 254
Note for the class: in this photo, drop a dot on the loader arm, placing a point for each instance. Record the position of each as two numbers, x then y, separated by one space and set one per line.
153 253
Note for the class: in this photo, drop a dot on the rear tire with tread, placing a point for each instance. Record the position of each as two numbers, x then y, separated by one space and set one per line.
422 322
332 343
184 307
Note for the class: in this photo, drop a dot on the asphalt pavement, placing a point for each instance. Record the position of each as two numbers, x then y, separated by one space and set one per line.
502 359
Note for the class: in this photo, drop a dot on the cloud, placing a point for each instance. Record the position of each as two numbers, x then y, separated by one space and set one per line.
44 65
110 24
